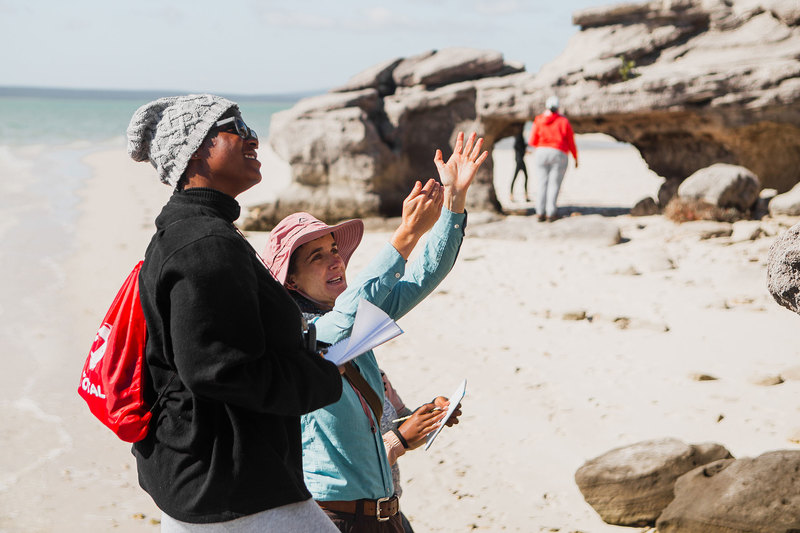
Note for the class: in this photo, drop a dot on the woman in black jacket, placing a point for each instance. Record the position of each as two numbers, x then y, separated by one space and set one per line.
226 363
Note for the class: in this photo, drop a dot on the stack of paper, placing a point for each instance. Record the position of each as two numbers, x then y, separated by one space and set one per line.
372 327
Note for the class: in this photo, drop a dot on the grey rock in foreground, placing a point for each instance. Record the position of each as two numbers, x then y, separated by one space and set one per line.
722 185
783 269
630 486
757 495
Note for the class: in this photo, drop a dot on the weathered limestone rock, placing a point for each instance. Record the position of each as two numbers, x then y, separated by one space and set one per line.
644 207
452 65
787 203
722 185
630 486
595 228
667 191
736 496
702 230
762 205
705 81
378 77
783 269
746 230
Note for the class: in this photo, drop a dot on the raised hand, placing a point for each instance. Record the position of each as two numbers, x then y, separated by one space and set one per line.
457 174
421 210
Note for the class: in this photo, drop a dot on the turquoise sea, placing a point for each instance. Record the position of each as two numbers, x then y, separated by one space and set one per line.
45 134
95 117
44 137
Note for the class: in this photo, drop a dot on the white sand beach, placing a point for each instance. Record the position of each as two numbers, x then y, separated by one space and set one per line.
570 347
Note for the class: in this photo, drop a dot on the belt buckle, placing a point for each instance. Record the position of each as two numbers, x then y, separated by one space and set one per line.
378 503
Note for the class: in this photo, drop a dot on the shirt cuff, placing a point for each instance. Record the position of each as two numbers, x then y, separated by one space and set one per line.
394 448
391 262
449 221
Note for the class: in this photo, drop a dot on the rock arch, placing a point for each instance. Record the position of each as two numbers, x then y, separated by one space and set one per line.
710 81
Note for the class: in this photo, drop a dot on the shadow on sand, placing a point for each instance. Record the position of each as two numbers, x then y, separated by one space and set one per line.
570 210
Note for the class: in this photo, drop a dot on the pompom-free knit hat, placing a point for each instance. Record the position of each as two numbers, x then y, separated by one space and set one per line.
299 228
168 131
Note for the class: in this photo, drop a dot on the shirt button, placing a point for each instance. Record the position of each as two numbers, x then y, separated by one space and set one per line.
456 226
397 275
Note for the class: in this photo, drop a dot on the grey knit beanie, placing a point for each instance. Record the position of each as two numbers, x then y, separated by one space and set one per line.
168 131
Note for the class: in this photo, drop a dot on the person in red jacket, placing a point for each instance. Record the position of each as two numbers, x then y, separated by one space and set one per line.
552 139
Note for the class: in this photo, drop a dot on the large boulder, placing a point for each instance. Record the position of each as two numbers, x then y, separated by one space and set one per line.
689 83
738 496
631 485
645 207
452 65
722 185
783 269
787 203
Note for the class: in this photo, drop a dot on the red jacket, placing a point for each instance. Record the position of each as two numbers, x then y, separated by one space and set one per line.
554 131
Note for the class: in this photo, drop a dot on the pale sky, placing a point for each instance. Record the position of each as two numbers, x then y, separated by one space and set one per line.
259 46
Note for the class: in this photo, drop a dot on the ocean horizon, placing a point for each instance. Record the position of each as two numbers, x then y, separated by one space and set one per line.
36 116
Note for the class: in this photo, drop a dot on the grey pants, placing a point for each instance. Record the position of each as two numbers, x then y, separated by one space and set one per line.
549 165
302 517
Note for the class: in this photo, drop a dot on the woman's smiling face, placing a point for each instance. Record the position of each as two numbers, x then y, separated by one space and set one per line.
318 271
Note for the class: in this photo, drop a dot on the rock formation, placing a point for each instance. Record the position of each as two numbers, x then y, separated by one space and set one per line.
631 485
689 83
783 269
787 203
756 495
722 185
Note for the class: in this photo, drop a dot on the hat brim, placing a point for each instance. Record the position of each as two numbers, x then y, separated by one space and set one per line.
347 234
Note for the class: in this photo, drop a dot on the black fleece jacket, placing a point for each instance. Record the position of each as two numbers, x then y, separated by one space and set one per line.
225 438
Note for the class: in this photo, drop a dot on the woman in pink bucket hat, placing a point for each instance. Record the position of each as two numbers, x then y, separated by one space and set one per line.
346 459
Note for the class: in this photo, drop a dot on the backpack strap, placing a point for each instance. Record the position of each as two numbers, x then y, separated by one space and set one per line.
357 380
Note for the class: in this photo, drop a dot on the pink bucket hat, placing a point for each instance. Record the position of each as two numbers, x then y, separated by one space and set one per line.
299 228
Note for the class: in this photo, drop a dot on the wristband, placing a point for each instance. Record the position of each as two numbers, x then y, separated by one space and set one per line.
400 438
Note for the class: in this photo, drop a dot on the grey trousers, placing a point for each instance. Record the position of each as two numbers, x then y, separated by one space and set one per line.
301 517
549 166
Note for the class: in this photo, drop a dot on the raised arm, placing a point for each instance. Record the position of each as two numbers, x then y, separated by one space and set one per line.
421 209
459 171
385 282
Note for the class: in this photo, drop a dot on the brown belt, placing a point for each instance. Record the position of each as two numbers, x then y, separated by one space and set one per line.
382 509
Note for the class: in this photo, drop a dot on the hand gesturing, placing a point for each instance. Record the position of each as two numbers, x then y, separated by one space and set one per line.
457 174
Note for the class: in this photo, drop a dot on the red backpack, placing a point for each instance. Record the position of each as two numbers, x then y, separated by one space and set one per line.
111 381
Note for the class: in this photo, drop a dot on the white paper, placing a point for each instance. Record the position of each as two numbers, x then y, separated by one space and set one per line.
454 400
371 327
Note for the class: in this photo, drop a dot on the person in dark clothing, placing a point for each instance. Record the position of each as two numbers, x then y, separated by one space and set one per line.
225 353
520 147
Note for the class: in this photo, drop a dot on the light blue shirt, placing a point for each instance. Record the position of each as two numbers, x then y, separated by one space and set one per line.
343 457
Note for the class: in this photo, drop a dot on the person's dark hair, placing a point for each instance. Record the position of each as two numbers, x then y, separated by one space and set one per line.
231 112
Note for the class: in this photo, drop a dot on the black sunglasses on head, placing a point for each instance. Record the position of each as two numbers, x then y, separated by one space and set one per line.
236 124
